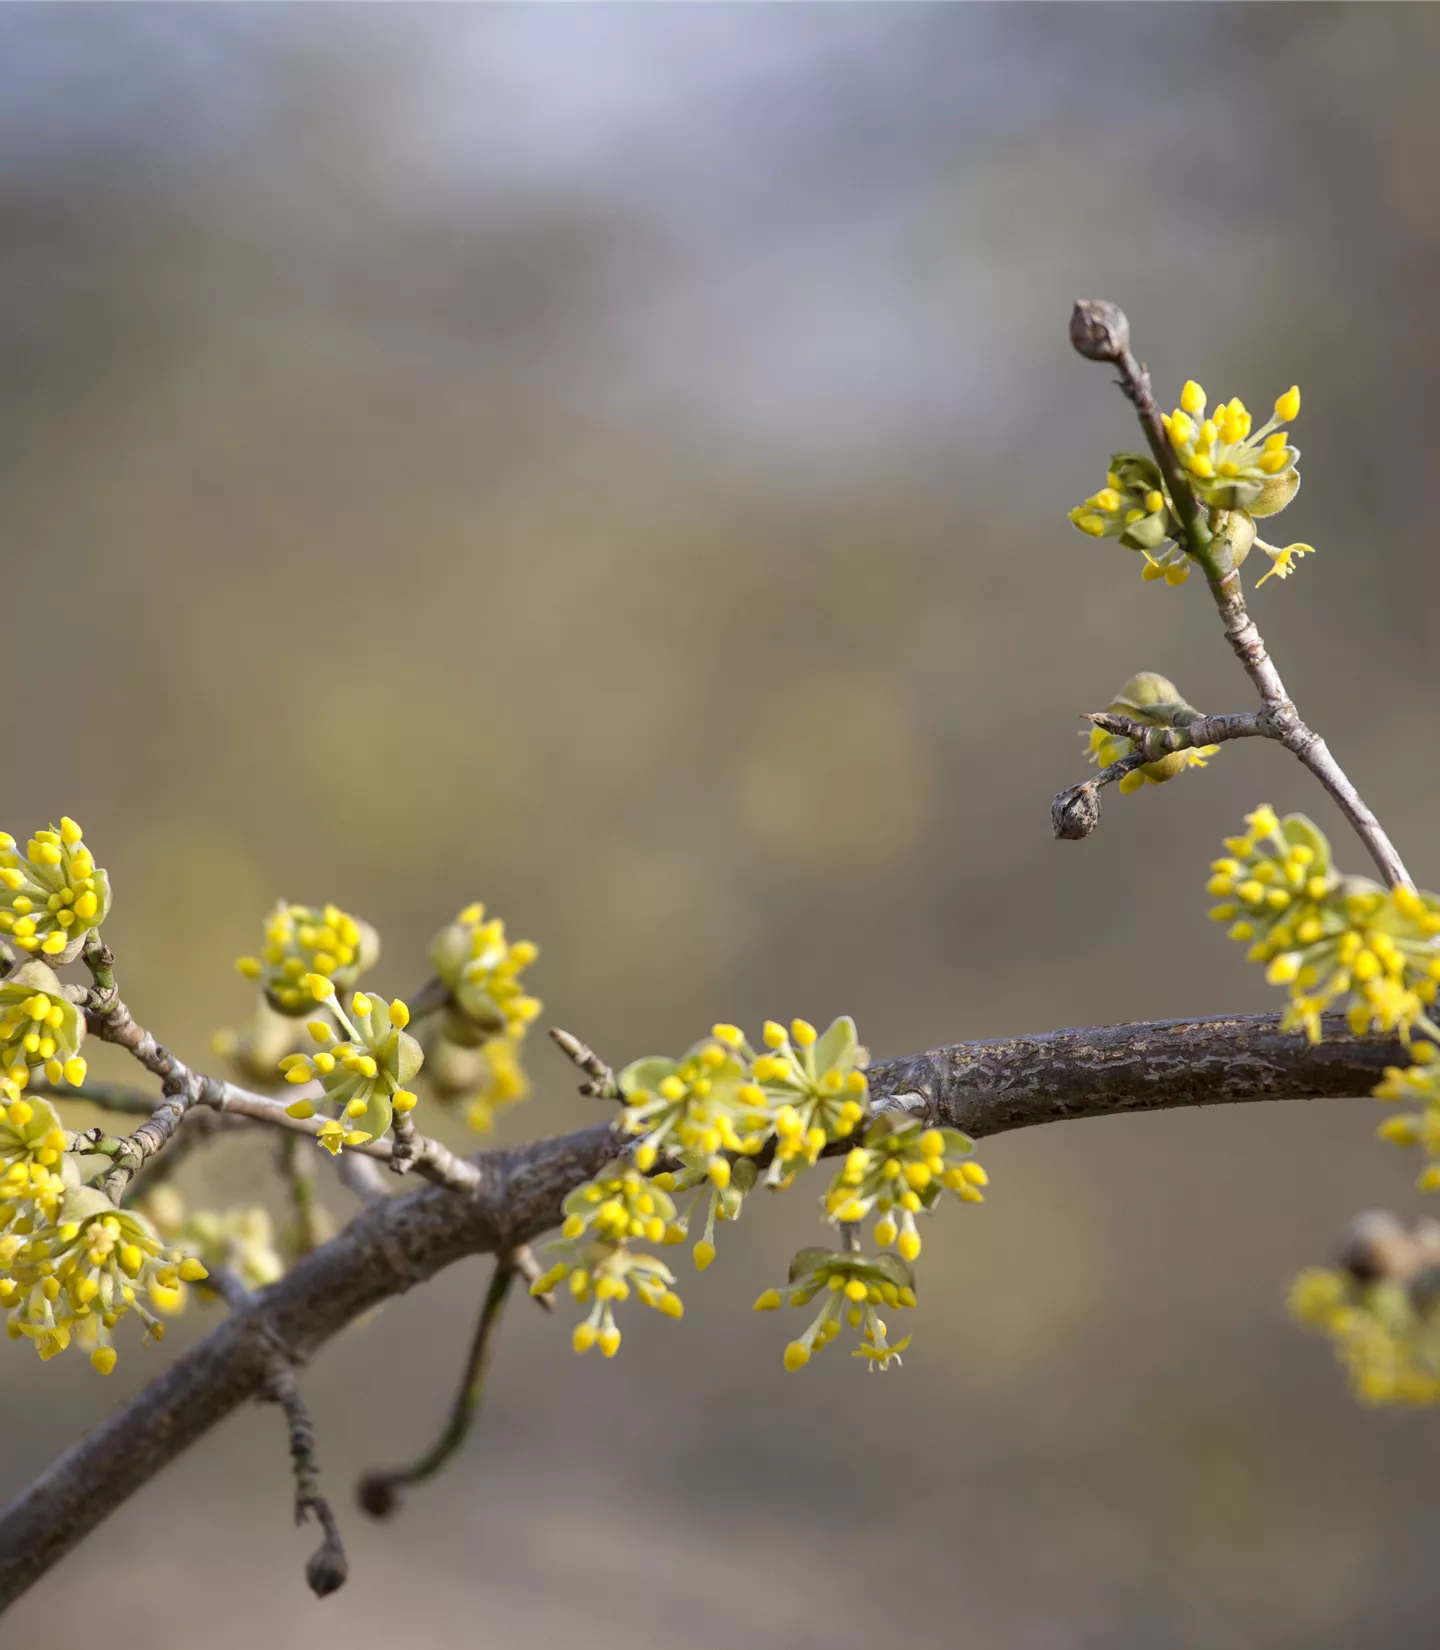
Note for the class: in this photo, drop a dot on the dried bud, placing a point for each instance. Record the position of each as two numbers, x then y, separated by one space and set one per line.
1075 813
1099 330
378 1495
327 1570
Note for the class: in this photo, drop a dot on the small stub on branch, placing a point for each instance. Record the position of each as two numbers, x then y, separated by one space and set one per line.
1099 329
1075 813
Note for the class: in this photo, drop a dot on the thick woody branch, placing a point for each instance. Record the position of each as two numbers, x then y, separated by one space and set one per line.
393 1244
1100 331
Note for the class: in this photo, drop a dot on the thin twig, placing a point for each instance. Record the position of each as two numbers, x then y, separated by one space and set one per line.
378 1492
327 1566
183 1088
602 1084
1100 331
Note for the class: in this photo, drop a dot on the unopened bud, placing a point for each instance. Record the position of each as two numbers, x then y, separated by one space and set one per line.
1099 330
327 1570
1075 813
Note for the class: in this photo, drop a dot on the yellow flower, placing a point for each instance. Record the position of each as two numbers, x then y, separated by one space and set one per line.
39 1027
363 1077
854 1288
902 1169
1341 942
301 940
52 897
602 1220
1230 465
481 970
74 1281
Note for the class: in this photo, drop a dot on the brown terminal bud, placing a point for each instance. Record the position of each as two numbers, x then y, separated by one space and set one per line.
1099 329
327 1570
1075 813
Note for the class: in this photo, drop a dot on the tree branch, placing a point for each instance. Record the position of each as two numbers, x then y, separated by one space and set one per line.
393 1244
183 1088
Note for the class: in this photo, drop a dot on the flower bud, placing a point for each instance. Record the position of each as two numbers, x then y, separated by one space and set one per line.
1099 330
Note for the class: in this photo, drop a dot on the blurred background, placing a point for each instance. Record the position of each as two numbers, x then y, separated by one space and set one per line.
613 462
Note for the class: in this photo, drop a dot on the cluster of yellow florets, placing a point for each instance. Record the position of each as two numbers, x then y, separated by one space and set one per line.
1386 1331
363 1076
52 896
71 1264
1132 507
603 1219
481 970
40 1028
1342 942
715 1111
473 1050
240 1240
1417 1085
853 1288
901 1171
301 940
1231 465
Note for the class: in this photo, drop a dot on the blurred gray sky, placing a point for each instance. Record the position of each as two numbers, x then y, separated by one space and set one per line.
612 461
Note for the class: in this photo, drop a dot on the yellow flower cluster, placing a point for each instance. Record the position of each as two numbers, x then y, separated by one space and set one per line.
240 1240
1133 508
1419 1085
39 1027
723 1104
71 1264
481 970
35 1173
1231 465
602 1219
363 1076
301 940
1385 1331
853 1287
815 1087
900 1171
1334 941
52 896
